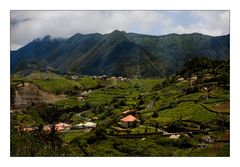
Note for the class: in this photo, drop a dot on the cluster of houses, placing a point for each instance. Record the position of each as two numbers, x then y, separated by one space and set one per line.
104 77
192 79
83 95
60 127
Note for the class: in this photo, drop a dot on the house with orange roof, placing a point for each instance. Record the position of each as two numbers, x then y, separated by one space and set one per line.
62 126
28 129
128 121
47 128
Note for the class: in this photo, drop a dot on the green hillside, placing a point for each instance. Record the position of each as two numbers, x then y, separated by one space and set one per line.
196 111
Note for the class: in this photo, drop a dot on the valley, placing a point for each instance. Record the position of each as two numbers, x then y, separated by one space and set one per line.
83 115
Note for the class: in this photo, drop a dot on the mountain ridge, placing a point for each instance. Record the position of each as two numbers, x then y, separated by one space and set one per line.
119 53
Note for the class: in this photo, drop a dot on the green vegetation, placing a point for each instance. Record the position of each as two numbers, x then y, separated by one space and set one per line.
196 111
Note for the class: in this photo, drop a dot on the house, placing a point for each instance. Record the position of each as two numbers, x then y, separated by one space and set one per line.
113 79
47 128
193 79
122 79
180 79
128 121
87 125
103 77
62 126
174 136
74 77
95 118
84 93
28 129
127 112
80 98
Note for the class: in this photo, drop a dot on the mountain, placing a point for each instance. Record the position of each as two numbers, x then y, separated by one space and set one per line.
175 49
118 53
33 55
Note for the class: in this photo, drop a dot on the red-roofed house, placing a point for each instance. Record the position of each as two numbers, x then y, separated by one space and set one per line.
47 128
128 121
28 129
62 126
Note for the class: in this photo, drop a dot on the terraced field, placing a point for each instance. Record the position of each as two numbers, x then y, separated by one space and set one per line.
159 107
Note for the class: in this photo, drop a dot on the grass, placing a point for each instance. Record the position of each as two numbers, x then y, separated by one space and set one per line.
67 137
57 84
70 102
130 92
222 107
87 83
186 111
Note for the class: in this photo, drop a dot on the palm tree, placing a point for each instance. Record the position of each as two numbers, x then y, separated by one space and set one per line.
54 139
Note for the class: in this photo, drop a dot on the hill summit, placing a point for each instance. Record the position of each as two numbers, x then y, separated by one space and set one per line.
118 53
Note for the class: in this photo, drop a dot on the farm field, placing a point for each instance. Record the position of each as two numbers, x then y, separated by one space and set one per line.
171 121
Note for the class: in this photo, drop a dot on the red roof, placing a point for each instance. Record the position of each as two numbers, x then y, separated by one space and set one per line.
128 118
28 129
62 125
59 128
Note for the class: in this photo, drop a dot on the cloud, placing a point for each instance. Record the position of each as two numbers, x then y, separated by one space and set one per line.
206 22
29 25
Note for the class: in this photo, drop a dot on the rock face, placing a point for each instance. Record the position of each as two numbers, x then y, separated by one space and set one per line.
28 94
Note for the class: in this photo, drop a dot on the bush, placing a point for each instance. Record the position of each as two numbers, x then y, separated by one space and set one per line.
185 142
92 139
101 134
155 114
176 127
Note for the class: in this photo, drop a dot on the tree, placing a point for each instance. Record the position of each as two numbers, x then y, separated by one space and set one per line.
155 114
54 139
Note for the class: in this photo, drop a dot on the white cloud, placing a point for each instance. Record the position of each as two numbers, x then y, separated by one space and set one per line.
28 25
207 22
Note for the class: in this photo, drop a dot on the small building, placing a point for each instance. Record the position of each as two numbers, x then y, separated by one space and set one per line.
174 136
46 78
95 118
113 78
103 77
47 128
193 79
128 121
87 125
122 79
180 79
127 112
80 98
84 93
28 129
62 126
207 139
74 77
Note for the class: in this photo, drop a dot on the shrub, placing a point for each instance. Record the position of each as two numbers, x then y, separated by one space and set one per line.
185 142
176 127
101 134
155 114
92 139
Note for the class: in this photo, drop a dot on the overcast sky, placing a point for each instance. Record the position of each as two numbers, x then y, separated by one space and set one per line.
29 25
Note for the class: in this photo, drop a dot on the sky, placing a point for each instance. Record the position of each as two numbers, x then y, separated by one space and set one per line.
29 25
